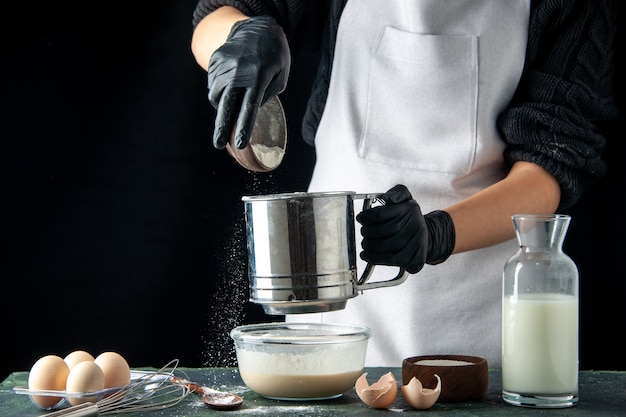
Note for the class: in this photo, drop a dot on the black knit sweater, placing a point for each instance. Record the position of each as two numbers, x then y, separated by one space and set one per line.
565 92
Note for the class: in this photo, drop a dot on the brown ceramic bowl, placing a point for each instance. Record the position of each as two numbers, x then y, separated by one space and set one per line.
463 378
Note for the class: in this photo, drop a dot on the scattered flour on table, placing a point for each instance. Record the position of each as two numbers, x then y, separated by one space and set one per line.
281 409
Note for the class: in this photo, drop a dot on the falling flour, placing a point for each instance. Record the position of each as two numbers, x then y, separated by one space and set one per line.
226 305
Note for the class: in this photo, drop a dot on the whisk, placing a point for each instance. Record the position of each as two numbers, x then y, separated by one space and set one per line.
152 391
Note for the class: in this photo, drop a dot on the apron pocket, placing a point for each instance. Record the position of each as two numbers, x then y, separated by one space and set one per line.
421 102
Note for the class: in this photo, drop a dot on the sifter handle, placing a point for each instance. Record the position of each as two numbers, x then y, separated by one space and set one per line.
362 283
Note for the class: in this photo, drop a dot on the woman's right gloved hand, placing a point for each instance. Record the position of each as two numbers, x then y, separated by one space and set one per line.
250 68
397 233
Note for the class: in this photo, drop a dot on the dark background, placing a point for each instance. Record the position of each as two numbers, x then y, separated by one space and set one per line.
122 228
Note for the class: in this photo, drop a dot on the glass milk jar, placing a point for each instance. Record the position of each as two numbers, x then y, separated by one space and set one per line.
540 316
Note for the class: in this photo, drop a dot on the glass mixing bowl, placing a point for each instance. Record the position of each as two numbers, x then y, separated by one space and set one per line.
300 361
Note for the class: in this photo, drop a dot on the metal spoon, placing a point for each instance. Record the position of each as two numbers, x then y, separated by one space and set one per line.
219 400
215 399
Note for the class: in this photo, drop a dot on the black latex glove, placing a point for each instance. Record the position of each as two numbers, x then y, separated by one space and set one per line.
397 233
249 69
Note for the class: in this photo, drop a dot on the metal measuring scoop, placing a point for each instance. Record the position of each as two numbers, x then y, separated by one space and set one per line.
218 400
268 140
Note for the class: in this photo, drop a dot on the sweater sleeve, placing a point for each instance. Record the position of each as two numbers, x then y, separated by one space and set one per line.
565 93
286 12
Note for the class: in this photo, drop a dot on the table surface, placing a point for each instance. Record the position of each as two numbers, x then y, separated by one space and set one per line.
601 393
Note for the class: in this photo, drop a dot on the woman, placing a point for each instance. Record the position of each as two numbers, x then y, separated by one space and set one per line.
480 109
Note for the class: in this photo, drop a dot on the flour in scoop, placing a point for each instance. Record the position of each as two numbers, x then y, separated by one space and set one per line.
269 156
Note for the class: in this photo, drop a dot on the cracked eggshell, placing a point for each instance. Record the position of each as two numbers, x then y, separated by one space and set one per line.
420 397
380 394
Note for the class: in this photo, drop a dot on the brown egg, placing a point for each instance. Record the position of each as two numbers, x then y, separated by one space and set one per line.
380 394
85 376
48 373
115 368
419 397
78 356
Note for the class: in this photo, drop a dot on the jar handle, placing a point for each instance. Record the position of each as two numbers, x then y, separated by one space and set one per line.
362 283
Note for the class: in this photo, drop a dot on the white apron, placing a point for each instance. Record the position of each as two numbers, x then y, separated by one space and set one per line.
415 90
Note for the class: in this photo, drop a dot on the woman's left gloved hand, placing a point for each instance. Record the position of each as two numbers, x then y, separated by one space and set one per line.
250 68
397 233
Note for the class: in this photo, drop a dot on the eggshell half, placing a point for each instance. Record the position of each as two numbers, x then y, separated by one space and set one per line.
47 373
380 394
420 397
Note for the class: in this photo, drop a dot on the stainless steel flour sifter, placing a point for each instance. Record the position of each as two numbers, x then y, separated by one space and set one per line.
302 251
